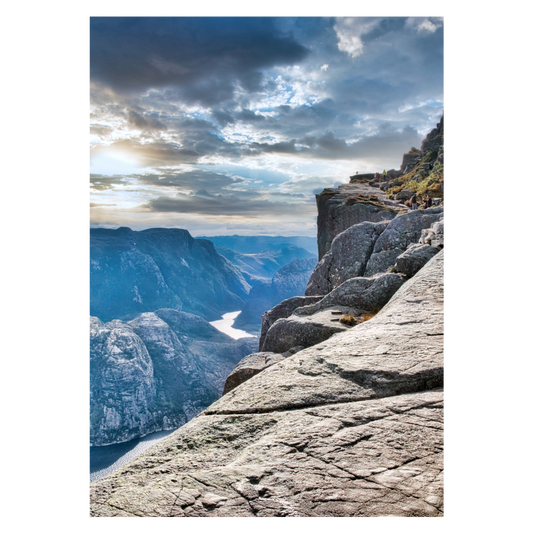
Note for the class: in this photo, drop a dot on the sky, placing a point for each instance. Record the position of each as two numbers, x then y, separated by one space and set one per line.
229 125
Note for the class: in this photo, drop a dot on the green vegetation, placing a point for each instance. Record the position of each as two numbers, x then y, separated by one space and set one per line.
421 181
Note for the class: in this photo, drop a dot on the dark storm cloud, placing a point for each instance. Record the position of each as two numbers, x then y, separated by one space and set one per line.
204 58
146 122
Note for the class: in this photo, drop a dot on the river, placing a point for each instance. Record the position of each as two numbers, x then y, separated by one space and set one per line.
226 326
105 459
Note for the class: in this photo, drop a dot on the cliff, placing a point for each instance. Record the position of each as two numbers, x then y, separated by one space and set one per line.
156 372
141 271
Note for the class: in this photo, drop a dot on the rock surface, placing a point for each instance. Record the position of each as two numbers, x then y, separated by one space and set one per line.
155 372
404 230
335 214
369 294
349 427
283 310
347 258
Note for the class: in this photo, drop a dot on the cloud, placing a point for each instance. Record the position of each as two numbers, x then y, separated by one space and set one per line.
206 204
148 122
189 180
103 183
429 25
245 114
204 59
350 32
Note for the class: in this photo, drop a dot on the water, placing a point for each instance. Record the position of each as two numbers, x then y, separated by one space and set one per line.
225 325
106 459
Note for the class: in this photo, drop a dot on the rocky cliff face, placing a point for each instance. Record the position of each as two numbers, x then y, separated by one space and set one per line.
156 372
138 271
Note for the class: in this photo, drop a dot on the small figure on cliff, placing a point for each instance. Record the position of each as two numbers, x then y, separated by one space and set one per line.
378 177
384 175
429 202
414 202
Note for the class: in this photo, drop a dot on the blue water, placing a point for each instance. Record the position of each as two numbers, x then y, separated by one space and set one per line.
106 459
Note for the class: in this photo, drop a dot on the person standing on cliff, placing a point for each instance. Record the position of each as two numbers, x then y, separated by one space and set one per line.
384 175
378 177
429 202
414 203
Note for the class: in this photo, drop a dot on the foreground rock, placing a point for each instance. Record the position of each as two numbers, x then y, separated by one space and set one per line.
348 427
283 310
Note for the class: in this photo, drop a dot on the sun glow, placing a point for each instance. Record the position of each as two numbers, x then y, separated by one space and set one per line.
114 162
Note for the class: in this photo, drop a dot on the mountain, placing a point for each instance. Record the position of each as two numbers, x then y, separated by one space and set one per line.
290 280
140 271
257 243
156 372
260 267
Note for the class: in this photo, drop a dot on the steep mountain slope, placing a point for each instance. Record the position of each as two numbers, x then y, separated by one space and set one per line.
139 271
260 267
254 244
156 372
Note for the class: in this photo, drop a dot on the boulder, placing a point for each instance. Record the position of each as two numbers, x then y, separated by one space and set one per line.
304 331
404 194
404 230
283 310
335 215
349 254
414 258
249 366
358 293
